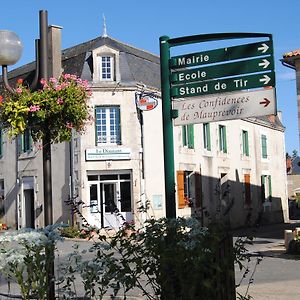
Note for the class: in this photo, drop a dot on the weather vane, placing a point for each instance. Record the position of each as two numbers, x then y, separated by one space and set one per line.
104 27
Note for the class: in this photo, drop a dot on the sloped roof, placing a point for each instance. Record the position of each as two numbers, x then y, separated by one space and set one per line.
136 65
290 57
270 121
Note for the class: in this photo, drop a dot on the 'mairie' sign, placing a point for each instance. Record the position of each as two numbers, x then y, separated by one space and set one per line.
228 106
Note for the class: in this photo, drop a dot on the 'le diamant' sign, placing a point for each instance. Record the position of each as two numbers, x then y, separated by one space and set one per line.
235 82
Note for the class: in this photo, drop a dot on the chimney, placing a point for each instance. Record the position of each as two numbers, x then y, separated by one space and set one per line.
54 36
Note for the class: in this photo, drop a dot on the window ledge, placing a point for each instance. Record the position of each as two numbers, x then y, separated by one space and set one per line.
245 157
27 155
207 153
187 150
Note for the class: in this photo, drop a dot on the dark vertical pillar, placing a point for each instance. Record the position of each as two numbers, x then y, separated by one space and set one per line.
167 129
47 176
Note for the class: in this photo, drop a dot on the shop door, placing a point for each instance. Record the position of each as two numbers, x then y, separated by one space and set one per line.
29 208
110 203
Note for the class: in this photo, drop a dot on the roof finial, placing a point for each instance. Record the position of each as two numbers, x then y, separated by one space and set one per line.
104 27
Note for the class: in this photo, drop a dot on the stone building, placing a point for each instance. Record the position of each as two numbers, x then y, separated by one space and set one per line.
231 169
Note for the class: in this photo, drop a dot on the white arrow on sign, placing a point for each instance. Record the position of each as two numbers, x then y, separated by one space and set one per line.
264 63
266 79
227 106
264 48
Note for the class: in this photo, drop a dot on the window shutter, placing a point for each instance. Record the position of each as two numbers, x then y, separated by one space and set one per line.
208 137
198 190
180 189
191 136
264 146
245 143
224 140
119 126
247 189
20 143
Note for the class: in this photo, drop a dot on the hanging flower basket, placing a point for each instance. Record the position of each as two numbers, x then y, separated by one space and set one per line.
57 108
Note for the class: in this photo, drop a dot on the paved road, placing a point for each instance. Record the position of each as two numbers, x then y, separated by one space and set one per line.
277 276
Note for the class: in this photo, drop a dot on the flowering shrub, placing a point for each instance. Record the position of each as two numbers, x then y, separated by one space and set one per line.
165 259
24 259
57 108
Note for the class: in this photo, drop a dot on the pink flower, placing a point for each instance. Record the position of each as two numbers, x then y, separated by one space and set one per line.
33 108
58 87
19 90
53 80
60 101
43 81
66 76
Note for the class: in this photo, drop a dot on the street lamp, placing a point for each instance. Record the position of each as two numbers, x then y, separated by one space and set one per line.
10 52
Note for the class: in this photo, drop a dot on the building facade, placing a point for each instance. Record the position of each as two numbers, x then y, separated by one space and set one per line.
233 170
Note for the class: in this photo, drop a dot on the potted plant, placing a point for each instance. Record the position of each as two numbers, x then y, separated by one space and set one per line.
57 108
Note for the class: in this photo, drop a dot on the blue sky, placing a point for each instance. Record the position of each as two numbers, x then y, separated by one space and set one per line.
141 23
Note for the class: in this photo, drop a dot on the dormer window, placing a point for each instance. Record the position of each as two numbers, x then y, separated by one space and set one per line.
106 69
106 65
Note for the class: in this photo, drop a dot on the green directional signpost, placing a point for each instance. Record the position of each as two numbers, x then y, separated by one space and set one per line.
219 76
223 85
214 85
223 70
221 55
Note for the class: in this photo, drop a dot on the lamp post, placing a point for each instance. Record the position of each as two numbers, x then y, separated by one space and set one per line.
10 52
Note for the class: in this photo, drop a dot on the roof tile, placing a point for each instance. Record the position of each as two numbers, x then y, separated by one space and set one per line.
292 53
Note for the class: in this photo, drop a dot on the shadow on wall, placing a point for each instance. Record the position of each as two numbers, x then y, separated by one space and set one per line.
11 207
235 203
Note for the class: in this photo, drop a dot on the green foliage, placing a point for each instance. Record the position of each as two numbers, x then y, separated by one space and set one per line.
56 109
165 259
70 232
74 232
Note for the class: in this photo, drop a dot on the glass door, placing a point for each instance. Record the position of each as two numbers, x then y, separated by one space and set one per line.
110 203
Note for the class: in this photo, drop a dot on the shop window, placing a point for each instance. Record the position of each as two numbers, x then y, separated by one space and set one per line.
125 196
93 198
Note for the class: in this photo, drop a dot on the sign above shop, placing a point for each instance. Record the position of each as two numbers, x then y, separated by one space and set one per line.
108 153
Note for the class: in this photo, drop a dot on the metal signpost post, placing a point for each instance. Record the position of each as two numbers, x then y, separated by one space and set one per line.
217 90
